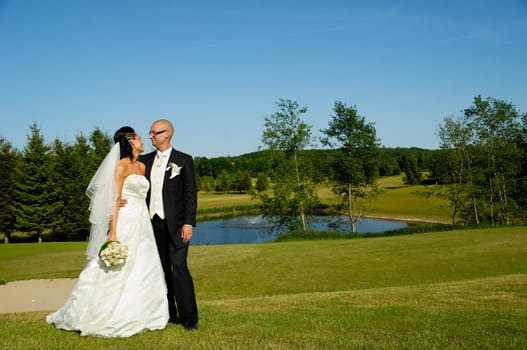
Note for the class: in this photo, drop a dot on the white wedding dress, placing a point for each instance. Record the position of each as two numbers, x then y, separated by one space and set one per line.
121 301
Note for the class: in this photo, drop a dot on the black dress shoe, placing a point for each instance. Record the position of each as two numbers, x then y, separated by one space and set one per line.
175 320
191 326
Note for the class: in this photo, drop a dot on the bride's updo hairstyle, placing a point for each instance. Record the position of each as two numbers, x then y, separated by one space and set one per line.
123 137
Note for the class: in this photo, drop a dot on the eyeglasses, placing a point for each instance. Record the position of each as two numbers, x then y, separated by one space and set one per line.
155 133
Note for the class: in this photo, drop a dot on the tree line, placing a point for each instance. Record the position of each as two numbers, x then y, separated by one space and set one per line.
482 163
480 167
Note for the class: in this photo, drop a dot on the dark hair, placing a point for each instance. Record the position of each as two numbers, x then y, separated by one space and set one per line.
123 137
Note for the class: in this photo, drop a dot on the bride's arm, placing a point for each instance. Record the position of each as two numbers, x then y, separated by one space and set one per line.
112 236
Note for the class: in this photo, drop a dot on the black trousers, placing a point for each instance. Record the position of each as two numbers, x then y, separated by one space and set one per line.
180 286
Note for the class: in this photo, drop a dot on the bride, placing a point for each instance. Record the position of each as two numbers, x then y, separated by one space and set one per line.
123 300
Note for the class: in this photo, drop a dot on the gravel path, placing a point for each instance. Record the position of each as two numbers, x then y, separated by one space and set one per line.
35 295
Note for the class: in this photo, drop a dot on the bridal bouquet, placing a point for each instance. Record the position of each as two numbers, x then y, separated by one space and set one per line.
113 253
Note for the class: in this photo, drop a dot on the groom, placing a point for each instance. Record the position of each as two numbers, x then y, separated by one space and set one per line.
172 202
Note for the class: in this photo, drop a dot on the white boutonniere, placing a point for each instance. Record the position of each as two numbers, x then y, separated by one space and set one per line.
175 169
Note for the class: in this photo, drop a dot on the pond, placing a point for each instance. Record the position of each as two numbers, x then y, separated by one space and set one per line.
255 229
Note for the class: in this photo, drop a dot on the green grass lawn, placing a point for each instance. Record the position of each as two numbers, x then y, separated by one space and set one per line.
450 290
405 203
207 200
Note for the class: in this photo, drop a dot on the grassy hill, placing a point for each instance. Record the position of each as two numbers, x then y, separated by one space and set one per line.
458 289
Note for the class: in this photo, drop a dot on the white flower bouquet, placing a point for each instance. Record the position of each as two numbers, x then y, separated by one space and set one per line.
113 253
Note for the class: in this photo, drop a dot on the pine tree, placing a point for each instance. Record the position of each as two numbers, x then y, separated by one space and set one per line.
101 144
8 159
35 203
70 178
81 156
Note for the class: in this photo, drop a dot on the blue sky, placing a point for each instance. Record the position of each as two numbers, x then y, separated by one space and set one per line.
217 68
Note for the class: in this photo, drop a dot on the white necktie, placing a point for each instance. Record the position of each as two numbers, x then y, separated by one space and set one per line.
160 158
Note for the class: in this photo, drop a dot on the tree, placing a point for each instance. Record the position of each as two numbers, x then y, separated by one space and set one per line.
411 170
496 129
294 199
214 166
242 181
224 182
262 183
355 168
81 153
206 183
388 164
518 193
455 167
35 204
8 159
70 179
101 144
481 163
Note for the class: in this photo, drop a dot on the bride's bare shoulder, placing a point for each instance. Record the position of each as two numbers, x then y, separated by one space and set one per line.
125 166
142 167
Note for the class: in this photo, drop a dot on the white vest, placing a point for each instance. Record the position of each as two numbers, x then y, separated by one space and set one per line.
157 176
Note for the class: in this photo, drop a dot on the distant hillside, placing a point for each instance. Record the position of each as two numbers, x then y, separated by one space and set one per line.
390 161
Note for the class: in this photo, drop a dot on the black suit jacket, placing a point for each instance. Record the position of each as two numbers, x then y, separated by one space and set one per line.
179 193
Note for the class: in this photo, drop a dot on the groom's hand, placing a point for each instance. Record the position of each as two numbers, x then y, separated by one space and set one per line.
122 202
186 233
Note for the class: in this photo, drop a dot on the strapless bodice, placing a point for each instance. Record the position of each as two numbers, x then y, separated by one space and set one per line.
135 186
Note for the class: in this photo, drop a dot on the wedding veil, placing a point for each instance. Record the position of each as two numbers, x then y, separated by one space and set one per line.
102 191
